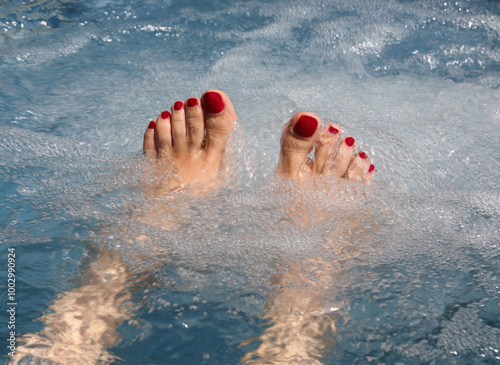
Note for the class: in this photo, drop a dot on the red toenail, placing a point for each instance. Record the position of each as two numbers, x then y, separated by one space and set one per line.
333 130
192 102
305 126
371 168
178 105
212 101
349 141
152 125
165 114
363 155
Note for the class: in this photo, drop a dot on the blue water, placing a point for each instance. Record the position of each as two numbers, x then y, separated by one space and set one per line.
416 82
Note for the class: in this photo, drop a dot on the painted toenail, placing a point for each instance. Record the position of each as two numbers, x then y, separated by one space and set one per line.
152 125
371 168
333 130
213 102
349 141
362 155
306 126
178 105
192 102
165 114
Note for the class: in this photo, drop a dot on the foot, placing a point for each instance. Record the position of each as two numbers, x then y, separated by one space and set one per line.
192 136
333 155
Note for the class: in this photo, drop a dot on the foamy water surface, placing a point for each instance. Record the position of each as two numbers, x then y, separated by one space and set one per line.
416 257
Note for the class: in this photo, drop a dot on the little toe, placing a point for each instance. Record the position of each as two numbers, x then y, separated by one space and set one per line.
178 125
370 175
328 139
360 169
220 119
163 132
298 139
343 157
195 124
149 145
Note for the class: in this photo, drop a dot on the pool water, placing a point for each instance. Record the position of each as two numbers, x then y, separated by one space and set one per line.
417 276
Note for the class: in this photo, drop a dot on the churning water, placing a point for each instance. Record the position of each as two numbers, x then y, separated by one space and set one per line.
416 269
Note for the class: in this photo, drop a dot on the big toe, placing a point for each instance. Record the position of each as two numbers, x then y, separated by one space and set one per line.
298 139
220 119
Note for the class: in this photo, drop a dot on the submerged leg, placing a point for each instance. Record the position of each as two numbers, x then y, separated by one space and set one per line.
297 317
298 320
83 321
192 138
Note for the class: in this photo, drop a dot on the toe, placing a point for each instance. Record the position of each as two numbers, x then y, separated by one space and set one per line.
343 157
163 132
328 139
149 145
298 139
370 175
220 119
195 124
178 125
360 169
